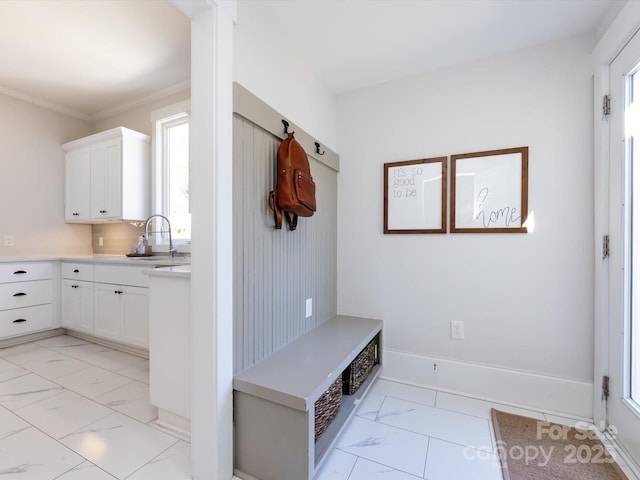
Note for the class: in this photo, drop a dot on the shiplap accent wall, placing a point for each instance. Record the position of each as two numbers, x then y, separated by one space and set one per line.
275 271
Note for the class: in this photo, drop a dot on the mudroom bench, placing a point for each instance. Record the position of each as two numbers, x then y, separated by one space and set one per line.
274 400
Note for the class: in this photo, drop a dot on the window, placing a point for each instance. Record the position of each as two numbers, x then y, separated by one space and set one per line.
171 172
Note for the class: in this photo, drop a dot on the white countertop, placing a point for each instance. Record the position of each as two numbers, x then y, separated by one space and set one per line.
153 261
180 271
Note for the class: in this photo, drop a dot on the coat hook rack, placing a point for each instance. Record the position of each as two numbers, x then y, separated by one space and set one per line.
318 149
286 126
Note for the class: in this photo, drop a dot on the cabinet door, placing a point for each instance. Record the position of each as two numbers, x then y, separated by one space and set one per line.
136 316
109 310
77 305
77 185
106 180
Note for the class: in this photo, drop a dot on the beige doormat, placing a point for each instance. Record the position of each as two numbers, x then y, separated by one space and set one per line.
531 449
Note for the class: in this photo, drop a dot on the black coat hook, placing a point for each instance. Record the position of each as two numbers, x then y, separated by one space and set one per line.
286 126
318 149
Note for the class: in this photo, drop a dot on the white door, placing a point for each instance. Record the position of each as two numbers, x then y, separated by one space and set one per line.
77 305
106 179
77 185
109 311
623 407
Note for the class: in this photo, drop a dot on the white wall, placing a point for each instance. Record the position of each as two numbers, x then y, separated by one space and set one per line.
267 64
526 299
139 118
32 177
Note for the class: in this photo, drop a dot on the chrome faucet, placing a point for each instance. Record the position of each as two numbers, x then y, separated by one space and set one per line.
172 250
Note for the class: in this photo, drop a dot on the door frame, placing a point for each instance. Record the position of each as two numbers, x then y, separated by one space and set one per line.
621 30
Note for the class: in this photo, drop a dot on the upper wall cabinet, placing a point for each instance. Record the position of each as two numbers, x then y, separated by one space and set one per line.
107 177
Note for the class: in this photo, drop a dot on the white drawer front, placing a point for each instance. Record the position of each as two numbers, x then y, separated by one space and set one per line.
25 294
77 271
25 272
25 320
115 274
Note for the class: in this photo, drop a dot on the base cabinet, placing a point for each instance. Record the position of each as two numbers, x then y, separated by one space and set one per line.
77 296
26 298
77 305
122 313
109 301
122 304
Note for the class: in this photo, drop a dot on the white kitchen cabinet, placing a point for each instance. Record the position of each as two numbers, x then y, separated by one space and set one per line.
26 298
77 305
107 177
78 185
121 304
122 313
77 296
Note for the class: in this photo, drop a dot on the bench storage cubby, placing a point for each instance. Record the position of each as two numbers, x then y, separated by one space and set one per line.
275 400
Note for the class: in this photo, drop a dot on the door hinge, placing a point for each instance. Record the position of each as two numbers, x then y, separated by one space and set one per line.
605 388
606 105
605 246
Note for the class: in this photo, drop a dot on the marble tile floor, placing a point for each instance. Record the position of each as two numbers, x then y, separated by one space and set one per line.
74 410
401 432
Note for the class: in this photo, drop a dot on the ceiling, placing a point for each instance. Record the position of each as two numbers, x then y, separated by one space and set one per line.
90 58
357 43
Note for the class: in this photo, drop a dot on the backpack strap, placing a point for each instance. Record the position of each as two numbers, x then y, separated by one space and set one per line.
273 205
292 220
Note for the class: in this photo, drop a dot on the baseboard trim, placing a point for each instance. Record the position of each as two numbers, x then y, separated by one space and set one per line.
627 460
175 423
237 474
137 351
550 394
30 337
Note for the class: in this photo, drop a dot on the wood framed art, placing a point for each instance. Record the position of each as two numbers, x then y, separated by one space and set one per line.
415 196
489 191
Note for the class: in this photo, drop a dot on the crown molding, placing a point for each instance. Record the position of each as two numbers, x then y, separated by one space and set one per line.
109 112
45 104
184 85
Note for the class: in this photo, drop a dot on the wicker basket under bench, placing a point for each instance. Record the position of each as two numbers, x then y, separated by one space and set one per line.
275 401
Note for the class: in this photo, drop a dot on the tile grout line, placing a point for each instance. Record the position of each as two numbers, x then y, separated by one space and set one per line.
63 390
424 470
377 462
93 399
153 458
376 421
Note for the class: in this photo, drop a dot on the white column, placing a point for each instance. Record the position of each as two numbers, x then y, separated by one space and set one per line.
212 254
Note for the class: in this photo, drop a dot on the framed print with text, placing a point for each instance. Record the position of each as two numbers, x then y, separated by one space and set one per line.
489 191
415 196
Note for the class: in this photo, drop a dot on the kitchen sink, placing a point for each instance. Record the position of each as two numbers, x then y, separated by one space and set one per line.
160 261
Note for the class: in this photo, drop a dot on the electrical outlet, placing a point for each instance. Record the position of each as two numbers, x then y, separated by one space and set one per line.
457 329
309 307
100 241
8 241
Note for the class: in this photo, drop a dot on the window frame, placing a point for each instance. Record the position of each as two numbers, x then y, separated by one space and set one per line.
161 120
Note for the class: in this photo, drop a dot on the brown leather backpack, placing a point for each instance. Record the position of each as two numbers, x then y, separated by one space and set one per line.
295 193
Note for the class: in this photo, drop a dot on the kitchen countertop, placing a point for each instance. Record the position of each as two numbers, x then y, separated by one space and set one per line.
180 271
153 261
